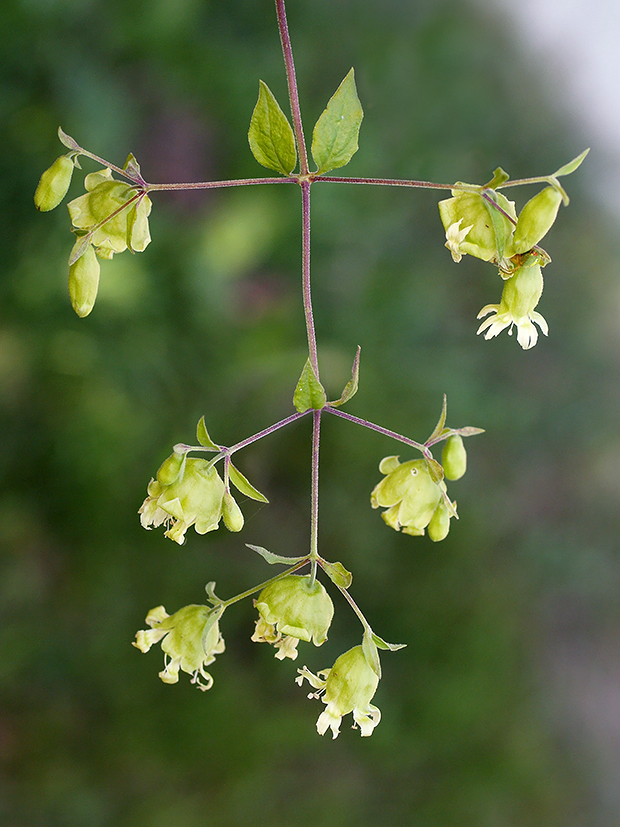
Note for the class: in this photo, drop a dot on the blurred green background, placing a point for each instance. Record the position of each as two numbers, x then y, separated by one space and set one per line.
503 709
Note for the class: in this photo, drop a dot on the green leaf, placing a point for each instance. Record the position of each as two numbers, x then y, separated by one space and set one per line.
350 389
132 168
571 166
468 430
500 176
369 648
309 392
203 437
442 420
240 482
67 140
210 590
271 136
275 558
79 248
382 644
337 574
334 139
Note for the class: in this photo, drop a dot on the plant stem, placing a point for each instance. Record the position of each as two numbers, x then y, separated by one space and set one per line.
377 428
266 431
261 586
314 509
235 182
305 276
291 80
396 182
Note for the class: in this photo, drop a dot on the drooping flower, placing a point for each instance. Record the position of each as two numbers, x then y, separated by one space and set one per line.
410 495
186 492
521 293
190 640
489 220
293 609
348 686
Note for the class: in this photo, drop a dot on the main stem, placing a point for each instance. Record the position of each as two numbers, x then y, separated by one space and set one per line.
291 80
314 513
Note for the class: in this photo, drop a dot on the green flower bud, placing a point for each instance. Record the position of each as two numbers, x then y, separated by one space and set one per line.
233 518
475 226
454 457
193 498
519 298
170 469
439 525
84 282
53 184
293 609
348 686
409 493
190 639
536 219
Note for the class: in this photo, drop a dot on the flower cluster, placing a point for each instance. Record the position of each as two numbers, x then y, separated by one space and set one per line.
190 640
483 223
292 609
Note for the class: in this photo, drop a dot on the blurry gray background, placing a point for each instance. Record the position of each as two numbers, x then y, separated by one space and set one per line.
504 709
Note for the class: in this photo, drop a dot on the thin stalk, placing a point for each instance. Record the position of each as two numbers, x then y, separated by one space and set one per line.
261 586
305 276
377 428
207 185
291 80
396 182
314 511
355 608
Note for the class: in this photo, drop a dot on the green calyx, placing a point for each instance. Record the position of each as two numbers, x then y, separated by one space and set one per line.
298 607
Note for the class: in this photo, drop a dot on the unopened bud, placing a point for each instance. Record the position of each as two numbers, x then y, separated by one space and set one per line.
84 282
536 219
54 184
454 457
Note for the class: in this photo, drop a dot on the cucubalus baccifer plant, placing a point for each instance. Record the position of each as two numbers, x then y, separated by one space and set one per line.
194 485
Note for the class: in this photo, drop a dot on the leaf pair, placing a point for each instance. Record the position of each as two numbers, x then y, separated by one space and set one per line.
310 393
334 139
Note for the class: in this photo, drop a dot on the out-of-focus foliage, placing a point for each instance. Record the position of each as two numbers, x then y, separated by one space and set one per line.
209 321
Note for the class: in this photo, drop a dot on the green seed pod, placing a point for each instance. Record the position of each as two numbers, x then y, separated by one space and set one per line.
454 457
536 219
439 525
54 184
231 513
84 282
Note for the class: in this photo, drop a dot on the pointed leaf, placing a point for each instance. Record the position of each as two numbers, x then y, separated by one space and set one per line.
350 389
334 140
203 437
79 248
442 420
337 574
271 136
468 430
240 482
571 166
309 392
210 590
132 168
383 644
369 648
274 558
500 176
67 140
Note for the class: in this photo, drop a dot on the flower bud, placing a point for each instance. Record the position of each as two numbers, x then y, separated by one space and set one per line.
536 219
53 184
231 513
408 492
454 457
293 607
348 686
84 282
170 468
439 525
